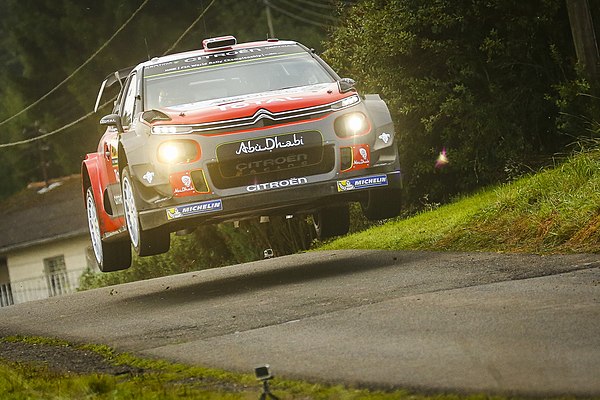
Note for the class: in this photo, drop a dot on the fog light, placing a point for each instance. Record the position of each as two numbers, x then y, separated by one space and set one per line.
352 124
178 152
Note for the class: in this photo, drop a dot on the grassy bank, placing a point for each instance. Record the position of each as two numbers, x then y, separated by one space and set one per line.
155 379
554 211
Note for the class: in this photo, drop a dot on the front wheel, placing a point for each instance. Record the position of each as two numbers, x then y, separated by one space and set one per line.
111 256
145 242
332 221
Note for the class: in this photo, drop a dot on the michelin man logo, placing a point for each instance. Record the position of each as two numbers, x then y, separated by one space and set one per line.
344 186
173 213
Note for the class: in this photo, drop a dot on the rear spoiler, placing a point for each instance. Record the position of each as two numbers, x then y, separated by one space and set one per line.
117 76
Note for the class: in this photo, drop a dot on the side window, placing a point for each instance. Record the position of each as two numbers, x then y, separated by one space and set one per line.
128 106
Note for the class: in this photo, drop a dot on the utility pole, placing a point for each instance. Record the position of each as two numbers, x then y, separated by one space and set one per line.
269 19
584 38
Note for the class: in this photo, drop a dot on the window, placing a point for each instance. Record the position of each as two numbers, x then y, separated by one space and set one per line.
232 79
6 297
56 276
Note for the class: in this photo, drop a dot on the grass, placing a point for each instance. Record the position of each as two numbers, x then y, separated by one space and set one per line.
554 211
164 380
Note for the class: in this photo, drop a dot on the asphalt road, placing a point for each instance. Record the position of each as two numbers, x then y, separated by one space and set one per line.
463 322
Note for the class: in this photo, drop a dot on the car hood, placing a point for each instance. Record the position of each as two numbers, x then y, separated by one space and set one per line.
247 105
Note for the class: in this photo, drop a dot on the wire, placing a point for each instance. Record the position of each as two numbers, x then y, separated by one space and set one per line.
78 68
304 9
54 132
189 28
297 17
315 4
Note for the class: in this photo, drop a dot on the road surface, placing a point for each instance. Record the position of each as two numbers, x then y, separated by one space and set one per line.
461 322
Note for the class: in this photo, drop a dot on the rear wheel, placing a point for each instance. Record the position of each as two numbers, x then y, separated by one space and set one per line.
145 242
382 204
332 221
111 256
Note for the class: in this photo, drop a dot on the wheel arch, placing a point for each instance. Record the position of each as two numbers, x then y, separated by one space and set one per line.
90 175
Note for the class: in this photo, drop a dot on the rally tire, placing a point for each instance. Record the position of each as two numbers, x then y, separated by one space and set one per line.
144 242
109 256
332 221
382 204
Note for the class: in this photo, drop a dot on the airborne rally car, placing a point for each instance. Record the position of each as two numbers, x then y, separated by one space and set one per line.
231 132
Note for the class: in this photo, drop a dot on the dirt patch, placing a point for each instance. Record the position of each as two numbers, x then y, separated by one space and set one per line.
66 359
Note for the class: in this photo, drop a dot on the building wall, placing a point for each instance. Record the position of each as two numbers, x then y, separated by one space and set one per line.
27 272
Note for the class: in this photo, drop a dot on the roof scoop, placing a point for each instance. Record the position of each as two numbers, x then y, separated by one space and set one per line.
219 43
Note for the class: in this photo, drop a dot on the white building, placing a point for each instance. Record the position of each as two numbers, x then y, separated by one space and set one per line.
44 241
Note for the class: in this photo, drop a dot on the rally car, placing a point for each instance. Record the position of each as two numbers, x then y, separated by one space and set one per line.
230 132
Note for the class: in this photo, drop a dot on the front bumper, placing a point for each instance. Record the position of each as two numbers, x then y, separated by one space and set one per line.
299 196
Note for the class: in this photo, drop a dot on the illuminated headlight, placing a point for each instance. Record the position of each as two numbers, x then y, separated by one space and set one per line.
351 124
170 129
347 102
178 152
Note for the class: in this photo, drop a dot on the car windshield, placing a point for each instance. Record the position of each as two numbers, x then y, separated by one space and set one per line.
232 77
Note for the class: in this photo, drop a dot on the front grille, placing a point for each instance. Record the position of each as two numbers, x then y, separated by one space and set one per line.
261 118
270 166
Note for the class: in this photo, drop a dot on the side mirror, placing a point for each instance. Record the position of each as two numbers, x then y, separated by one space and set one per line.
346 84
112 120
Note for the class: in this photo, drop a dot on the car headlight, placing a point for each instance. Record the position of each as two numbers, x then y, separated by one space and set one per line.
346 102
352 124
170 129
178 151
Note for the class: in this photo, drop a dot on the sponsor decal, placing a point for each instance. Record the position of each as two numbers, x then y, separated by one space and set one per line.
271 153
362 183
182 184
385 137
212 59
277 185
269 144
361 158
148 176
272 164
203 207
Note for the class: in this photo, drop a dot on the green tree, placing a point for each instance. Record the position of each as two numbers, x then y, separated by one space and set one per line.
43 41
478 78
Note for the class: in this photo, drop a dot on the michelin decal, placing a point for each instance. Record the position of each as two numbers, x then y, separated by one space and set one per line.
362 183
194 209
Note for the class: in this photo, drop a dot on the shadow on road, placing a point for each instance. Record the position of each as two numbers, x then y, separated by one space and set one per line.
266 274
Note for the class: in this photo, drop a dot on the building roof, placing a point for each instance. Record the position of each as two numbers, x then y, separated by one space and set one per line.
40 214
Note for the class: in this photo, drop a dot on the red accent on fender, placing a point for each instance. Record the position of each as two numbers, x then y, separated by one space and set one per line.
99 180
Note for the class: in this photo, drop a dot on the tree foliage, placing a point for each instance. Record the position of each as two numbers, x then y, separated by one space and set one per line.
484 79
42 42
